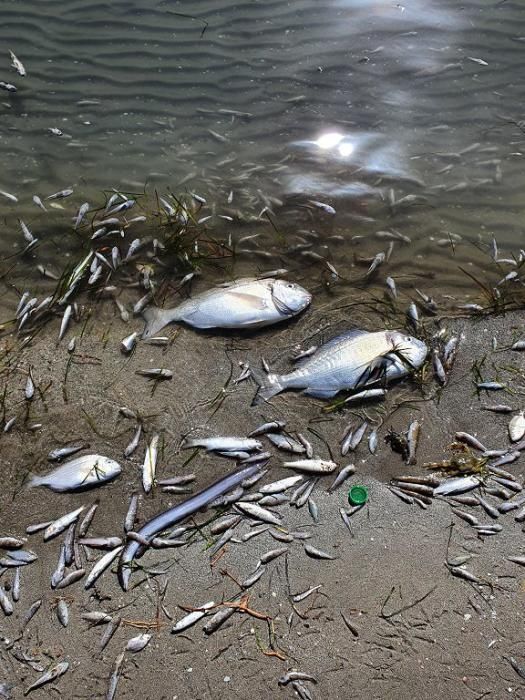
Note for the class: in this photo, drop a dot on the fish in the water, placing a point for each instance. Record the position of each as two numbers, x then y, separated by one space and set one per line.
351 360
79 473
244 303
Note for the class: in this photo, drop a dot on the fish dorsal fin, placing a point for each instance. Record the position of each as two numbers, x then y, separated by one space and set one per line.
352 334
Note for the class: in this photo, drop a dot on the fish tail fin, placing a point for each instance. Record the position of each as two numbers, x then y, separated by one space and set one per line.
156 319
269 385
32 480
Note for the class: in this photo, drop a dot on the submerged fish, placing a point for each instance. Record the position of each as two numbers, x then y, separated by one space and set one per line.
79 473
244 303
353 359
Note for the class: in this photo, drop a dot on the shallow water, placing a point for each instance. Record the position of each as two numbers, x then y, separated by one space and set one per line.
356 104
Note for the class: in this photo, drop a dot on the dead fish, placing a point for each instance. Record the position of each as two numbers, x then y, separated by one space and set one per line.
272 426
8 87
100 542
114 678
326 208
61 195
61 524
65 321
13 542
457 485
295 676
299 597
9 196
218 619
193 617
366 395
129 342
281 485
259 513
498 408
286 443
243 303
79 473
356 437
491 386
150 464
5 603
17 65
413 438
83 210
132 446
312 466
488 507
101 565
372 442
156 373
63 612
317 553
62 452
344 474
96 617
51 675
224 444
138 643
253 578
378 260
349 361
439 370
470 440
517 427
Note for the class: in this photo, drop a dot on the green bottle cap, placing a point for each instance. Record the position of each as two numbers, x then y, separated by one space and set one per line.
358 495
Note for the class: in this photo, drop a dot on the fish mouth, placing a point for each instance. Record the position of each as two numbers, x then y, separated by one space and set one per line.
283 308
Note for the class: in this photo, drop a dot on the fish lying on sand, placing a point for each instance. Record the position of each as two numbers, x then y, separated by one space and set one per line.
243 303
79 473
348 361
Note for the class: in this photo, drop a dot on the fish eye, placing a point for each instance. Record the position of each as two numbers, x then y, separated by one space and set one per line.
289 285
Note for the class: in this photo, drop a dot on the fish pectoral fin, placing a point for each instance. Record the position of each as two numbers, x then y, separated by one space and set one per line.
250 301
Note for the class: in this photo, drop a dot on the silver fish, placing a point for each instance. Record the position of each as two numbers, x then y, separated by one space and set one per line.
287 443
192 617
132 446
224 444
413 438
281 485
51 675
138 643
101 565
349 361
62 452
58 526
317 553
63 612
270 427
517 427
244 303
457 485
128 344
129 520
341 477
84 208
79 473
150 464
312 466
259 513
115 675
17 65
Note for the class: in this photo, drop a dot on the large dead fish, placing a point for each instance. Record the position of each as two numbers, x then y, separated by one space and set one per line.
348 361
243 303
79 473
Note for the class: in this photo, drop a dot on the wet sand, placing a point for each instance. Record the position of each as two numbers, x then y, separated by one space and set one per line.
419 632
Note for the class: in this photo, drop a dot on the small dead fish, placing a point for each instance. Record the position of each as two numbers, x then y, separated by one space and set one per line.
517 427
305 353
344 474
101 565
259 513
83 210
17 65
272 426
65 321
108 633
150 464
63 452
115 675
51 675
79 473
488 507
356 437
295 676
63 612
253 578
286 443
96 617
138 643
129 343
312 466
218 619
317 553
61 524
366 395
439 370
413 438
193 617
326 208
470 440
499 408
378 260
157 373
11 542
8 87
5 603
71 578
464 515
224 444
100 542
281 485
413 316
61 195
9 196
457 485
372 442
491 386
299 597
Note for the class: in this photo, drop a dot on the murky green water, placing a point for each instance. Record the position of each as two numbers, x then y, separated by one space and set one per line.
399 116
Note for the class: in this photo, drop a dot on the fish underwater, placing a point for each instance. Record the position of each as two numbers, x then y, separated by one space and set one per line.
243 303
353 359
80 473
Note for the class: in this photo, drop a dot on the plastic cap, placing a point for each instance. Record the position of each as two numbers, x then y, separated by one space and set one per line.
358 495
